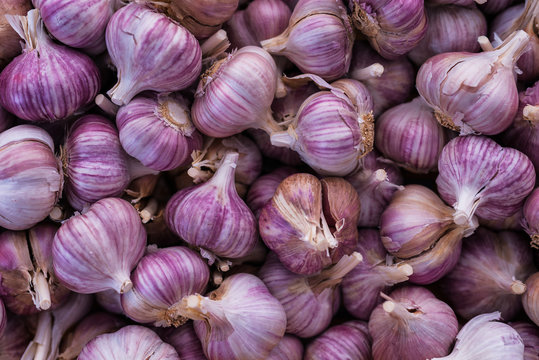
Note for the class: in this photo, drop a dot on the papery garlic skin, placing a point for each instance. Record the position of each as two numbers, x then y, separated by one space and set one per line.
78 24
129 343
530 221
318 39
161 280
529 334
530 299
350 340
247 78
157 130
289 348
111 230
294 225
412 324
483 338
361 287
416 137
48 72
392 27
239 320
490 274
478 176
9 40
95 163
184 340
212 216
450 29
30 177
473 93
150 52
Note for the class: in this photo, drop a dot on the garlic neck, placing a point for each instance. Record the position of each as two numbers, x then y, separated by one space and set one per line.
397 311
333 276
41 294
370 72
511 49
394 274
531 113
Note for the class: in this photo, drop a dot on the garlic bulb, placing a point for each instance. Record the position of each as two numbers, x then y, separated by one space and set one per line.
412 324
110 300
112 232
483 338
479 177
263 189
31 177
150 52
289 348
184 340
239 320
377 273
530 299
474 93
162 278
129 343
392 27
318 39
310 223
530 219
529 334
490 274
350 340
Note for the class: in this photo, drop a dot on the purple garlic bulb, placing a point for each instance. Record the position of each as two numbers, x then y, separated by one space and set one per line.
184 340
333 129
376 182
239 320
530 220
490 274
308 300
131 342
28 282
393 28
451 28
289 348
31 177
263 189
157 130
412 324
47 82
212 216
474 93
112 232
530 299
151 52
377 273
494 6
310 223
391 87
350 340
162 278
79 24
110 300
318 39
478 176
95 163
416 137
530 337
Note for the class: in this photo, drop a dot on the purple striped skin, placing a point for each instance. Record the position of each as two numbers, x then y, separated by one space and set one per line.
30 177
110 300
47 82
420 327
393 27
289 348
523 134
263 189
25 256
495 6
157 131
450 29
478 176
244 321
15 338
79 24
132 342
530 337
236 94
375 183
151 52
484 280
350 340
184 340
161 280
308 311
95 162
213 217
410 135
530 299
97 251
530 221
361 287
473 93
318 39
